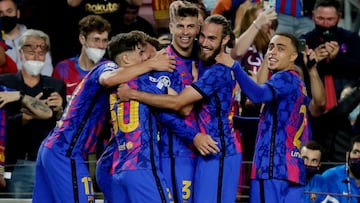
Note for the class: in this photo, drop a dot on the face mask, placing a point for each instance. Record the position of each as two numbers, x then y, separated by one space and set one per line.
354 165
9 23
310 171
354 114
328 33
95 54
33 68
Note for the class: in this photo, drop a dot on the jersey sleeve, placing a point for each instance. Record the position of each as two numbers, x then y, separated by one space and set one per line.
176 124
213 79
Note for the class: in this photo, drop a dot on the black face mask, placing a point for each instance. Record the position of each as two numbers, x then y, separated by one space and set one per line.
9 23
354 165
328 33
310 171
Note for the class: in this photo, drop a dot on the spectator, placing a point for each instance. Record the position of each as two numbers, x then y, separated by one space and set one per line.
7 65
277 165
62 153
93 36
214 115
252 40
338 131
13 30
345 178
335 47
228 8
294 16
316 186
33 47
254 34
32 105
132 21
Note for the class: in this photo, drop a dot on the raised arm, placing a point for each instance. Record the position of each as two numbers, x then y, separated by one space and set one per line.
317 104
178 102
246 39
263 74
160 62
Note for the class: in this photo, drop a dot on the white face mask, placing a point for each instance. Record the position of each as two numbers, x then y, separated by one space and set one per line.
94 54
33 68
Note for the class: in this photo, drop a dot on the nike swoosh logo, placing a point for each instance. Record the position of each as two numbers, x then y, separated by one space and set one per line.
71 84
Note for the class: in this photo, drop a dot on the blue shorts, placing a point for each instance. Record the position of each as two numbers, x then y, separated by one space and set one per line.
103 167
61 179
140 186
184 176
207 179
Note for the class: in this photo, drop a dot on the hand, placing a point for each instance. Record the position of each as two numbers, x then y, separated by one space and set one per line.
332 48
205 144
225 59
266 17
54 101
162 62
321 52
309 58
123 92
164 40
7 97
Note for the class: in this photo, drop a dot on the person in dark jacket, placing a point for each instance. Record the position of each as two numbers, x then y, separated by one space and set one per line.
25 132
333 129
337 50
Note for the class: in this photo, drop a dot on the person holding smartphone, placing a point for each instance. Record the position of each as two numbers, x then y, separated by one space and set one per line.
25 132
336 50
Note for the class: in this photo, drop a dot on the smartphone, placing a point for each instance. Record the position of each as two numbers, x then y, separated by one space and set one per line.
302 45
269 4
47 92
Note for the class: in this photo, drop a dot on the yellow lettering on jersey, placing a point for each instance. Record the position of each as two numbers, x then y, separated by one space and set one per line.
297 142
186 189
118 116
87 185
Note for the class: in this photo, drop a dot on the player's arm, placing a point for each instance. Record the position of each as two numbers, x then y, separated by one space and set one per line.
244 41
204 143
318 101
178 102
33 105
256 93
160 62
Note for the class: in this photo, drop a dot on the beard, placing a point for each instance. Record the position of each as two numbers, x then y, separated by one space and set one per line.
210 60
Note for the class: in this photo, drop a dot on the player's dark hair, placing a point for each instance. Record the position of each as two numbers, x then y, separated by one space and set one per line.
184 9
227 29
294 40
93 23
125 42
